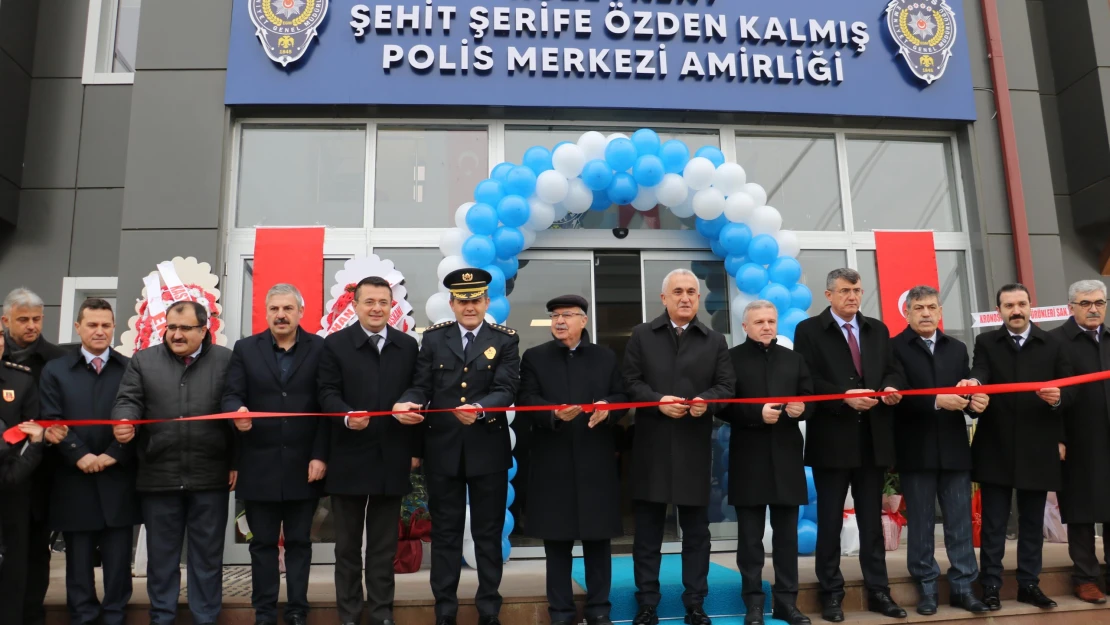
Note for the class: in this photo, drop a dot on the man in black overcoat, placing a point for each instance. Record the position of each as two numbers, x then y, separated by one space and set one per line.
466 366
93 501
765 455
366 367
678 361
934 454
574 478
1018 443
851 442
281 461
1083 500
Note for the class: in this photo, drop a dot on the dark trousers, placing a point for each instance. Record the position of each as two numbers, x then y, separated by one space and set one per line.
114 544
651 518
953 489
867 491
269 521
750 522
1081 548
14 571
992 535
167 516
38 572
377 517
447 503
599 578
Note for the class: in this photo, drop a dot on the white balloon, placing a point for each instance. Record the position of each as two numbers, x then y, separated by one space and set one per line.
729 178
765 220
529 237
758 193
551 186
849 501
739 207
739 303
512 439
613 137
510 416
645 200
709 203
449 264
560 212
460 217
683 210
568 159
542 215
468 553
699 173
672 191
451 241
489 318
788 243
439 306
785 342
593 145
579 197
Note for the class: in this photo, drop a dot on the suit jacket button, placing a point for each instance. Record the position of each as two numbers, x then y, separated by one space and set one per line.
463 399
441 366
464 384
465 370
283 393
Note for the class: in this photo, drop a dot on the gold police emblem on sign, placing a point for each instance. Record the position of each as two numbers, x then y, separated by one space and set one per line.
489 353
467 277
9 395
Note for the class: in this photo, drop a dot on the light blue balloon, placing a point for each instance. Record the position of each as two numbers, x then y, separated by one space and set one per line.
538 159
499 309
481 219
736 238
710 229
751 278
512 471
497 278
501 171
811 486
620 154
717 248
508 267
513 210
478 250
597 174
674 155
807 537
789 321
764 249
713 153
510 497
520 181
601 201
489 191
734 262
509 241
648 170
785 270
510 523
646 141
506 549
623 189
777 294
800 296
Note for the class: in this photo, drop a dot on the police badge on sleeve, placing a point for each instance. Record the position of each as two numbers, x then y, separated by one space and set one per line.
286 27
925 31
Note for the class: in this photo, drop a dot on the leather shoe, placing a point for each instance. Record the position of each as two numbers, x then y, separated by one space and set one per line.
753 617
1090 593
881 603
990 598
832 611
927 606
492 619
443 620
968 601
646 616
790 614
697 616
1033 595
561 623
598 620
296 619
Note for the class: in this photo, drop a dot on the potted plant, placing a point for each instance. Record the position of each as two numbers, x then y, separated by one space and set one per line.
893 521
414 528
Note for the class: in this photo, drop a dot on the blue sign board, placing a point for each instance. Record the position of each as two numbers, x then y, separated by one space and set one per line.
888 58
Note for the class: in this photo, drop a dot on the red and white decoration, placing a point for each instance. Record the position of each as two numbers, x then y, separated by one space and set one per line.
340 308
180 279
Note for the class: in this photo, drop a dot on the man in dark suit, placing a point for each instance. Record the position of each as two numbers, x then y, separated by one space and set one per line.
851 441
93 500
1019 442
281 461
934 455
767 443
366 367
466 366
574 479
676 360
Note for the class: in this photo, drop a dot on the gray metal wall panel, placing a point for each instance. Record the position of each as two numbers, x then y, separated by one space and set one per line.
53 133
1089 206
16 86
169 36
1055 141
1000 248
993 202
1048 269
1069 29
1036 178
1042 57
17 31
977 46
1099 12
50 317
1084 114
36 255
1013 17
1079 250
9 202
175 150
60 43
105 126
96 231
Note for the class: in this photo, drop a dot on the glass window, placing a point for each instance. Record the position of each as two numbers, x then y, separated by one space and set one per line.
114 29
816 265
902 185
422 175
800 176
126 40
331 266
418 265
868 269
303 176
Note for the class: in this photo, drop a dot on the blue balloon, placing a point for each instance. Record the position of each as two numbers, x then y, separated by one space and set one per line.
501 171
724 433
811 487
713 153
789 321
807 537
800 297
489 192
497 277
506 549
510 497
601 201
717 248
777 294
520 181
763 250
510 523
785 270
478 250
646 141
620 154
513 210
674 155
508 267
509 241
538 159
710 229
733 263
736 238
499 308
623 189
481 219
751 278
597 174
512 470
648 170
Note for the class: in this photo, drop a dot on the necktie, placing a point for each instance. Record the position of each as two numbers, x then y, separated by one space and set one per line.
1017 340
678 331
188 360
929 344
1093 334
376 339
853 346
468 338
98 364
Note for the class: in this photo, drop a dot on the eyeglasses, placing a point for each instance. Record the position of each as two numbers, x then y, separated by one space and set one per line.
558 316
845 292
1087 304
175 328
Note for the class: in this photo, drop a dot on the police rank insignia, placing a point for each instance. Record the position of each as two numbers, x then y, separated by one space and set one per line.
286 27
9 395
925 31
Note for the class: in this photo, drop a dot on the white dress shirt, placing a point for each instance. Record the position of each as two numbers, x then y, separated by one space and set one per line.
103 356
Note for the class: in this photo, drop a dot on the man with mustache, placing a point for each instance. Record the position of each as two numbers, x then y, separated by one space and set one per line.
1087 428
1019 442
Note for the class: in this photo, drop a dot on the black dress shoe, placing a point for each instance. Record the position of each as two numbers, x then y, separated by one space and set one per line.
444 620
646 616
991 599
598 620
296 619
881 603
927 606
489 620
969 602
1033 595
832 611
561 623
753 617
790 614
697 616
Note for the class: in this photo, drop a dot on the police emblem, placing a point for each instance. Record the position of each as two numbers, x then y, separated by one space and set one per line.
925 31
286 27
9 395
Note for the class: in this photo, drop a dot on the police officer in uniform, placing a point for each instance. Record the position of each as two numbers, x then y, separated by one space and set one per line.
466 366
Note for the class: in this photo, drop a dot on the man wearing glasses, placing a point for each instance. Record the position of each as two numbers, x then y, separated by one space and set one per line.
184 468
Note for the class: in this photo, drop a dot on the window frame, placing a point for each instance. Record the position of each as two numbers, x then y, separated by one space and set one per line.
101 26
77 290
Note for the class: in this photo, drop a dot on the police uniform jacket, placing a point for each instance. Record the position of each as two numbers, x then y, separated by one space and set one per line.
19 401
489 375
17 462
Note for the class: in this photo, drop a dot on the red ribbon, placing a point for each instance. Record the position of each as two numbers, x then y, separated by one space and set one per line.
14 435
849 511
897 517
